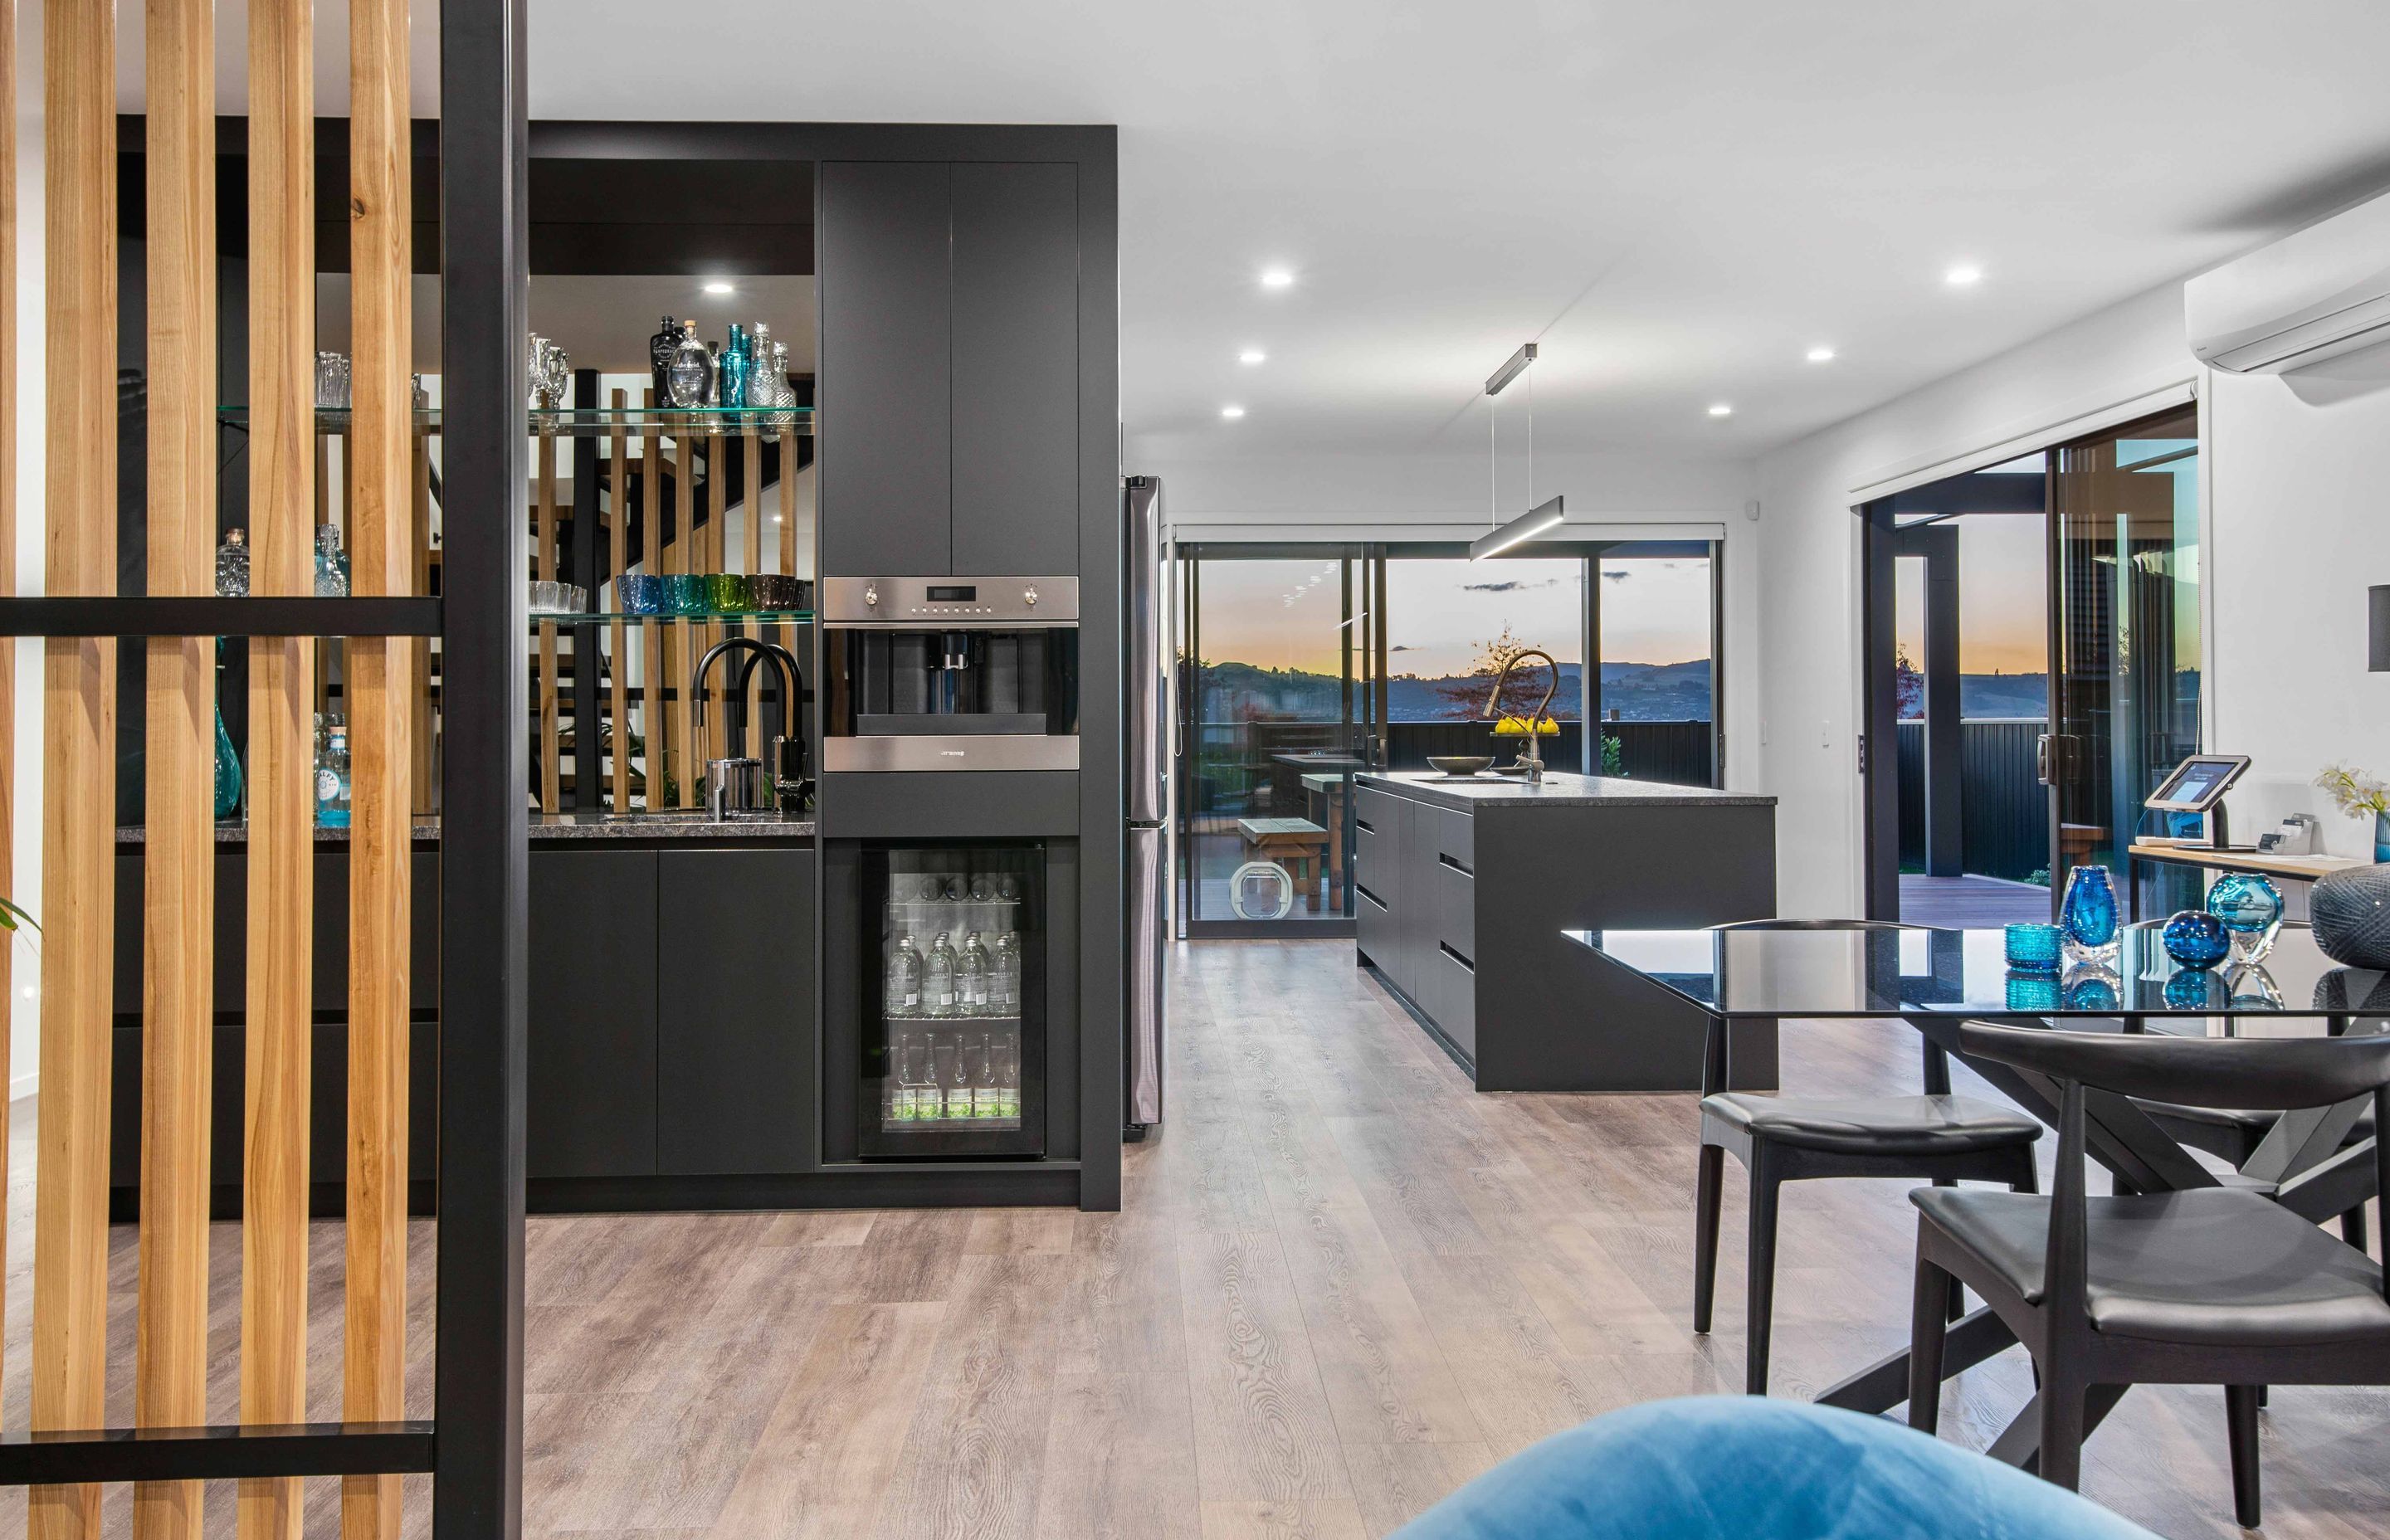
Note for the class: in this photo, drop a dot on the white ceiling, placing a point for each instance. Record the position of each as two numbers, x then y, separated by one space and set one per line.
1677 200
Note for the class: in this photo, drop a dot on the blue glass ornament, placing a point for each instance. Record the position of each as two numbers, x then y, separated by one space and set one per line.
2251 908
2032 947
2087 914
2032 992
2196 939
2091 989
2189 990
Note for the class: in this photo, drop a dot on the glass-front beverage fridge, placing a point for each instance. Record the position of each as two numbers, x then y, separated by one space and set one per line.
953 1042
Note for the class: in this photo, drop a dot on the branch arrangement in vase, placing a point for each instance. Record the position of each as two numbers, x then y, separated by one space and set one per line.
2357 794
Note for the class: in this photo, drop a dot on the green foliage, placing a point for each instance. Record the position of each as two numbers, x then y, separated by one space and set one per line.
1613 756
10 915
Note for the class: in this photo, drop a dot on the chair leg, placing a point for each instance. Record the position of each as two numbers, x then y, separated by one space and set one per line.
1954 1303
1761 1284
1709 1197
2352 1227
2061 1430
1927 1329
2241 1424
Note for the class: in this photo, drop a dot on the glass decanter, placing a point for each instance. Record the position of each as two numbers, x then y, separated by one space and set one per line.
692 369
661 349
332 563
232 566
332 779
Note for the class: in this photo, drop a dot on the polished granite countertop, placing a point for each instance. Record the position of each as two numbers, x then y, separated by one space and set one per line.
564 826
1470 794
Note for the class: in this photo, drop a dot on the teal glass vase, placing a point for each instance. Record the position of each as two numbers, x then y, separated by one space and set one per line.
228 771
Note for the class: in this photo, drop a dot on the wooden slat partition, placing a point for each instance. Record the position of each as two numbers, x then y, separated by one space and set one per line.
7 554
618 545
79 746
382 689
716 559
752 451
651 633
551 797
687 557
281 816
178 972
789 501
419 686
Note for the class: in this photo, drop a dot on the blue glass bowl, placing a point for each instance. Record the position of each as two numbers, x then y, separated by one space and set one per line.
2032 947
2196 939
640 593
684 594
2032 992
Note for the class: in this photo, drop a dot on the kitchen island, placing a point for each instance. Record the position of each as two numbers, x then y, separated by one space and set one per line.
1463 886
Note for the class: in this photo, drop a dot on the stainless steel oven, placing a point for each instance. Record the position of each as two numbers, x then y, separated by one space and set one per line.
950 674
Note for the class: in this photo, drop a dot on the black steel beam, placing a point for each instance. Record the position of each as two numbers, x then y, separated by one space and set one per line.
215 1453
377 616
484 219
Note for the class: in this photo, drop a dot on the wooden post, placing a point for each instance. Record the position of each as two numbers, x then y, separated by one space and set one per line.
618 717
79 746
8 559
651 632
550 776
753 453
281 743
179 856
381 685
717 559
688 557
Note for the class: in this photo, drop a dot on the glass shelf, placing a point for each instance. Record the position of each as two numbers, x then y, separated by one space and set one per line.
587 616
568 421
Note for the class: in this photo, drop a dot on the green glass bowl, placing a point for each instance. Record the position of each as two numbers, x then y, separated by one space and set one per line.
684 594
729 594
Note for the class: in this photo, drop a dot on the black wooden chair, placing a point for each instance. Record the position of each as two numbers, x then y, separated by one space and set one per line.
2206 1286
1937 1137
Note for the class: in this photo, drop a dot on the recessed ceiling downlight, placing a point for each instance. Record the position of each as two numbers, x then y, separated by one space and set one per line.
1276 278
1965 274
1721 409
1252 355
721 286
1232 413
1822 355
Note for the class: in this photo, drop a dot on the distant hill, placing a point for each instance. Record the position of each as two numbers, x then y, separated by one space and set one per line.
1639 692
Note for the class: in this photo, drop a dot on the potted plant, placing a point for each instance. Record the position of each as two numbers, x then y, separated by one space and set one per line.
2357 794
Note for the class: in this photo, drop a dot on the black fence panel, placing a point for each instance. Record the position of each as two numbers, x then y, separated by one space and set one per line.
2003 807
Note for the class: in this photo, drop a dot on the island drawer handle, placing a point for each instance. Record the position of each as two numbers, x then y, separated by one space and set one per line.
1370 896
1446 948
1454 863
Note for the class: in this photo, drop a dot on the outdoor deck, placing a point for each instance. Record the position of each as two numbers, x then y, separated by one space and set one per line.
1960 901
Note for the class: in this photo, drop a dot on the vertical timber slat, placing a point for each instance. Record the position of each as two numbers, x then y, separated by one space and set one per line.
178 974
550 773
651 632
618 541
281 744
752 448
79 747
688 557
8 552
380 682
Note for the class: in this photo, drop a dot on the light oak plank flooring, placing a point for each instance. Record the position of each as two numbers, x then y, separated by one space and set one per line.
1343 1284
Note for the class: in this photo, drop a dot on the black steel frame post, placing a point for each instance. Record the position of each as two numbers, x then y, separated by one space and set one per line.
484 234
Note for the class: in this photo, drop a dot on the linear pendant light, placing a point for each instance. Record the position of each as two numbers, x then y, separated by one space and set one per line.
1544 517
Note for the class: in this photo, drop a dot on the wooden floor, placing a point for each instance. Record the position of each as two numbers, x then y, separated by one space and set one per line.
1960 903
1343 1283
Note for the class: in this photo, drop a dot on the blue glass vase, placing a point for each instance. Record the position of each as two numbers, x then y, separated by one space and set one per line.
2251 908
2087 914
228 771
2090 989
2382 837
2196 939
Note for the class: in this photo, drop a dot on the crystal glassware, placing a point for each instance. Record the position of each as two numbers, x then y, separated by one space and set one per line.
640 593
729 594
738 367
2034 948
232 566
331 382
228 777
332 779
2196 939
684 594
332 563
692 369
660 348
2251 908
2087 914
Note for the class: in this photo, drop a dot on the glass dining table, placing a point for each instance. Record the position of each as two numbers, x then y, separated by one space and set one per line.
1932 981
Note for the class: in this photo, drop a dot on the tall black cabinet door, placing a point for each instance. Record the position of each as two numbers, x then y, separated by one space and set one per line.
591 1083
1016 369
886 383
736 1035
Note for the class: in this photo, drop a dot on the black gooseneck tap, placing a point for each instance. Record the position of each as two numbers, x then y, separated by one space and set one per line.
788 789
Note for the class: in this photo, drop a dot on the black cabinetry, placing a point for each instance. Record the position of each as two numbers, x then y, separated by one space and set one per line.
591 1091
735 1043
949 367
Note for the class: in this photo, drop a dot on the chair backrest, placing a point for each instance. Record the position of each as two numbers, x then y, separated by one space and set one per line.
2268 1074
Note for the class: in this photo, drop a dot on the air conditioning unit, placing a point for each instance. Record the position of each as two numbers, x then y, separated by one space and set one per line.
2322 291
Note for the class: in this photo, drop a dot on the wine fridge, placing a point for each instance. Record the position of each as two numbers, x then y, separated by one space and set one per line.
954 1043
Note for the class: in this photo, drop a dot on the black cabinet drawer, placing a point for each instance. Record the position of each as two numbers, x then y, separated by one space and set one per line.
1454 892
590 1084
735 1014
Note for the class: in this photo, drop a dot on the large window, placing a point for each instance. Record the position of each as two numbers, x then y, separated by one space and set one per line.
1655 627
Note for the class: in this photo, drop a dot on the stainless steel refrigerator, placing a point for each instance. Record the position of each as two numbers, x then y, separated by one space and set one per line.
1148 932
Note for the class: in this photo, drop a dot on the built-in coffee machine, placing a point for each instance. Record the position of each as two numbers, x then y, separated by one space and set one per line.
950 674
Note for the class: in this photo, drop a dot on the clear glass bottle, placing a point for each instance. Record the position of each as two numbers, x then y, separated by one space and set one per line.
971 978
1008 1075
938 979
692 369
987 1098
714 374
899 1100
903 992
784 390
738 368
983 890
332 779
332 563
940 1098
660 348
1004 976
762 383
232 566
971 1063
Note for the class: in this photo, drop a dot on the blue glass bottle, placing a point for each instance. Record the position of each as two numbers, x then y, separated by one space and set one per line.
228 771
332 779
2196 939
737 368
2087 914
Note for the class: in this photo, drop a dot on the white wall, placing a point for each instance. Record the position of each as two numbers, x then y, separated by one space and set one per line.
1445 497
2295 486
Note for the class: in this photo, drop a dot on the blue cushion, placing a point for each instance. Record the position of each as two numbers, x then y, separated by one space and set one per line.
1756 1468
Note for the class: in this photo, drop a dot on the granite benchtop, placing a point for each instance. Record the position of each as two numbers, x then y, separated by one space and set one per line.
546 826
1472 793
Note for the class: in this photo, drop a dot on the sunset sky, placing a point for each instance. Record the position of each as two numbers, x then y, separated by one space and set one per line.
1287 614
